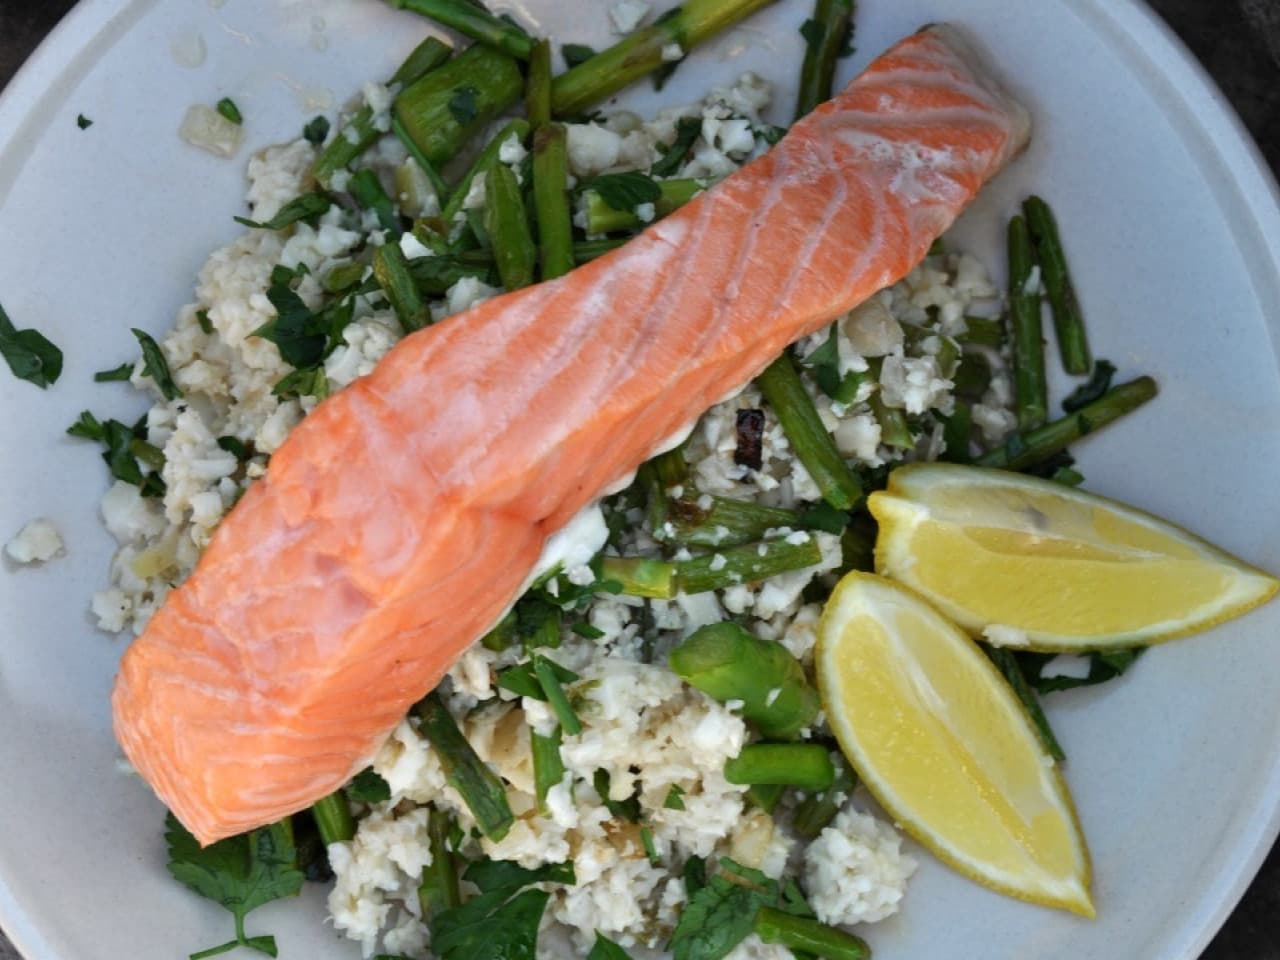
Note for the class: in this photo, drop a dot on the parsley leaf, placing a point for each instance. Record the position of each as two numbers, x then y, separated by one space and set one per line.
462 105
316 131
1091 390
721 913
1103 666
628 809
688 129
501 921
295 329
626 191
227 107
241 873
306 207
522 680
368 787
155 366
576 53
125 446
675 798
309 382
83 122
122 372
606 949
29 354
202 318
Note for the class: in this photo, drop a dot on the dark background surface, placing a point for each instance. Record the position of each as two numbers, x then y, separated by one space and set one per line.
1238 41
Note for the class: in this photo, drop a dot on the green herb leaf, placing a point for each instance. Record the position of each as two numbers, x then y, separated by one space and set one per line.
241 873
125 446
1102 667
122 372
29 354
650 849
227 107
606 949
236 446
309 382
576 53
155 366
83 122
1098 384
628 809
202 318
675 798
626 191
521 679
307 207
295 330
501 921
463 106
688 129
316 131
368 787
720 914
547 672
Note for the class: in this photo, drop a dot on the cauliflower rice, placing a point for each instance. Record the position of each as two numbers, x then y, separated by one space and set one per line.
641 724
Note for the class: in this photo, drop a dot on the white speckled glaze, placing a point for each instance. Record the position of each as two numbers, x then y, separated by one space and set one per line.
1174 232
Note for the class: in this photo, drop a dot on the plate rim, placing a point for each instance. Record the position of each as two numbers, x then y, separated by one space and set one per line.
90 27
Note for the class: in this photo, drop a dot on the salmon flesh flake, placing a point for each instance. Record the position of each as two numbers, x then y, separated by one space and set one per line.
403 516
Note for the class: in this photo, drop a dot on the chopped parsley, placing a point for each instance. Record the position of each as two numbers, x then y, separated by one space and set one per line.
317 130
30 354
83 122
202 318
628 809
462 105
675 798
576 53
721 912
122 372
228 109
626 191
523 680
1098 384
235 446
606 949
241 873
688 129
1103 666
502 921
126 451
307 207
368 787
155 366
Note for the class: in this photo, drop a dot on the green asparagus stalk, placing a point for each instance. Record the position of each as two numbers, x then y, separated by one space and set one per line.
1028 449
641 577
983 331
435 275
392 273
813 445
333 818
1068 320
727 522
765 796
418 157
804 765
474 262
727 662
537 91
359 133
1031 391
507 224
585 250
368 191
602 218
439 888
800 933
475 21
478 786
748 563
817 810
958 432
894 431
551 201
548 766
826 34
545 671
487 158
444 109
641 53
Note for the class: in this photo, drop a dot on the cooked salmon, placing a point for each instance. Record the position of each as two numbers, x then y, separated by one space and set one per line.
403 516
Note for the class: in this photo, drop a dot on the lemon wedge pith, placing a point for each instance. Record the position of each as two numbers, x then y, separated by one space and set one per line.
944 745
1039 564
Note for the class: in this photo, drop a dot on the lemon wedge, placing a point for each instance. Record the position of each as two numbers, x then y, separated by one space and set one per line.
942 742
1033 563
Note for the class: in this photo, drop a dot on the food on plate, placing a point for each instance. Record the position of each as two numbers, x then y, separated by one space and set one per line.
37 542
334 596
638 752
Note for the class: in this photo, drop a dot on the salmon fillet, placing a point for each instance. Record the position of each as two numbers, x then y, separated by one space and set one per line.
400 520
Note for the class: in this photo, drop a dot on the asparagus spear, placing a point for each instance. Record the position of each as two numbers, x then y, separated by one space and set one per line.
368 191
445 108
479 786
818 809
602 218
728 662
745 564
435 275
551 201
359 133
727 522
894 431
548 766
1025 450
418 157
507 224
804 765
333 818
813 445
810 936
826 34
1031 391
537 91
439 889
641 53
765 796
641 577
483 163
392 273
475 21
1068 321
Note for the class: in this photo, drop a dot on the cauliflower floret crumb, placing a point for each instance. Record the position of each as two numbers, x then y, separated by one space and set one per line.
856 871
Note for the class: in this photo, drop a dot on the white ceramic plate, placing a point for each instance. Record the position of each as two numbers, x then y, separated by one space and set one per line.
1174 232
